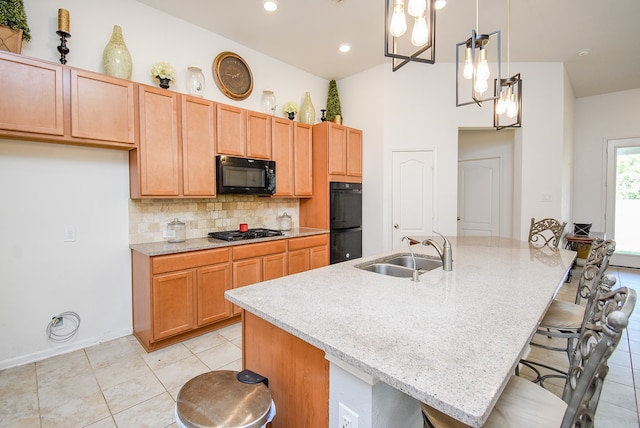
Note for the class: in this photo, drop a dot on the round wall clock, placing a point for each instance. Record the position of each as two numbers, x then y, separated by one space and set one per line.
232 75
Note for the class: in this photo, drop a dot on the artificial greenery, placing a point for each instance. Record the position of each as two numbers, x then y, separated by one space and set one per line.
12 15
333 102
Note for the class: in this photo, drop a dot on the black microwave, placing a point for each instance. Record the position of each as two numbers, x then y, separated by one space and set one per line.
245 176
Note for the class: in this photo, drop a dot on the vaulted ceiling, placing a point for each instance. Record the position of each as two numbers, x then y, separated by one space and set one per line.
307 33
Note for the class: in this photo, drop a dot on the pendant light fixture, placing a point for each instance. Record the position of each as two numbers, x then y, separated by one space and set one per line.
508 102
481 65
423 34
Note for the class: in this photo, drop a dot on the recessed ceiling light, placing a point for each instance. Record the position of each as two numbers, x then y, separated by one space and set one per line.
270 5
345 47
583 52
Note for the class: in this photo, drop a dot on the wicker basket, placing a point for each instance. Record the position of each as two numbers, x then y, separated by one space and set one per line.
10 40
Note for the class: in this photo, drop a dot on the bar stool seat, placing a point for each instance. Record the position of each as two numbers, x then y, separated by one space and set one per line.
218 399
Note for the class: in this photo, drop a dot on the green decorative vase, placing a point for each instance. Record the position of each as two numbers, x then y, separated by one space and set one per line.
307 111
116 58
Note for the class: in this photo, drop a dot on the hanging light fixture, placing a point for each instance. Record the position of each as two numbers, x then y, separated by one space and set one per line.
481 54
423 34
508 101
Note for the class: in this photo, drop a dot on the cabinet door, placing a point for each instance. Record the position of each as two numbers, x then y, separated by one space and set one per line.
246 272
159 154
298 261
213 281
337 149
319 256
173 302
258 135
282 151
303 160
198 147
31 95
231 130
354 152
274 266
102 107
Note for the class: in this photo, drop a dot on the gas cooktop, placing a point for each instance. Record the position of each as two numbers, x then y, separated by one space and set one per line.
236 235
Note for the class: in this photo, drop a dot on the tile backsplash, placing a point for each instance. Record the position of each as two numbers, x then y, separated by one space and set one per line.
148 218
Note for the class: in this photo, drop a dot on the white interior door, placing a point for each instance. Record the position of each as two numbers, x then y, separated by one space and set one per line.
623 200
479 197
412 199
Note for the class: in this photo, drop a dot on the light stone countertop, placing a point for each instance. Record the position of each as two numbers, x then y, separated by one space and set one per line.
452 340
206 243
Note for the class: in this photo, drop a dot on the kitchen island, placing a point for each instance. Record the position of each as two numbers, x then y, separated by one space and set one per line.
451 340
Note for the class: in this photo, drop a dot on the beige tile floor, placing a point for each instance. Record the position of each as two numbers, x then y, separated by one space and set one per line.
118 384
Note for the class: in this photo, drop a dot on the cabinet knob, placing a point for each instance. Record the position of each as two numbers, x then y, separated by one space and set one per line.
396 226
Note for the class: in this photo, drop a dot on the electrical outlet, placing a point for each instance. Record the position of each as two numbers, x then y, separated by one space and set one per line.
56 321
347 418
69 234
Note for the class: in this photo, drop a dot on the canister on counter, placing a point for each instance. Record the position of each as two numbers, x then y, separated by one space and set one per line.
176 231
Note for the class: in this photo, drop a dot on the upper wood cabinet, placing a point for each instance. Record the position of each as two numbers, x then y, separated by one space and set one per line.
156 165
102 108
303 159
176 153
31 97
343 146
231 132
198 147
258 143
50 102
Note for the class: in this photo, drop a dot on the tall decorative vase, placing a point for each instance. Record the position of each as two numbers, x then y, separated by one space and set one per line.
307 111
116 58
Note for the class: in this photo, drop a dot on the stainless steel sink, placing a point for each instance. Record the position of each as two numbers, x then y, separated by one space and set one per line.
401 265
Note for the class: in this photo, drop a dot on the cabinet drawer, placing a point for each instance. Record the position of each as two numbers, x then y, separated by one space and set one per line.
189 260
308 241
257 250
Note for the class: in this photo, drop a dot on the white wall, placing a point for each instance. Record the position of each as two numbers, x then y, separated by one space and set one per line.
415 108
598 119
46 187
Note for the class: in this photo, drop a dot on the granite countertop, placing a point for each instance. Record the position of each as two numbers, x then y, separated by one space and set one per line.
451 340
206 243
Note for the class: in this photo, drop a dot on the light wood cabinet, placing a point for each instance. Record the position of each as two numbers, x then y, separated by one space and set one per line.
156 165
292 151
354 152
32 97
243 133
307 253
176 153
50 102
180 295
253 263
198 147
103 108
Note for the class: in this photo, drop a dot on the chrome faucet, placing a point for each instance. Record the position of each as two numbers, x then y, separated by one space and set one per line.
444 251
411 242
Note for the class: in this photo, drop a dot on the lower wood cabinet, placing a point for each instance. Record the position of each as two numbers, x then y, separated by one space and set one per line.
181 295
178 296
308 252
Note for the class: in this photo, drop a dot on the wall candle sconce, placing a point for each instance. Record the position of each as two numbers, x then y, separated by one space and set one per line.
63 32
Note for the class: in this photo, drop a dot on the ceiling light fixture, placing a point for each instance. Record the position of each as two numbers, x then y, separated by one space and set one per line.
440 4
423 34
270 5
345 47
479 49
508 102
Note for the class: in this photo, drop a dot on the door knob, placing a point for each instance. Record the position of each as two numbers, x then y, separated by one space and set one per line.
458 218
395 226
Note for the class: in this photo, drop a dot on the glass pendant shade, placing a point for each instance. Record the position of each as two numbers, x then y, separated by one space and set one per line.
420 45
507 108
477 62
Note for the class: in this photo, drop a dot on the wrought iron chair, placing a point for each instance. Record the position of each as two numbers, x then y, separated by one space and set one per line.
524 404
546 232
563 319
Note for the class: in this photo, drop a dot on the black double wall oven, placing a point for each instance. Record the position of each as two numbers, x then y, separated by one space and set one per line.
345 209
